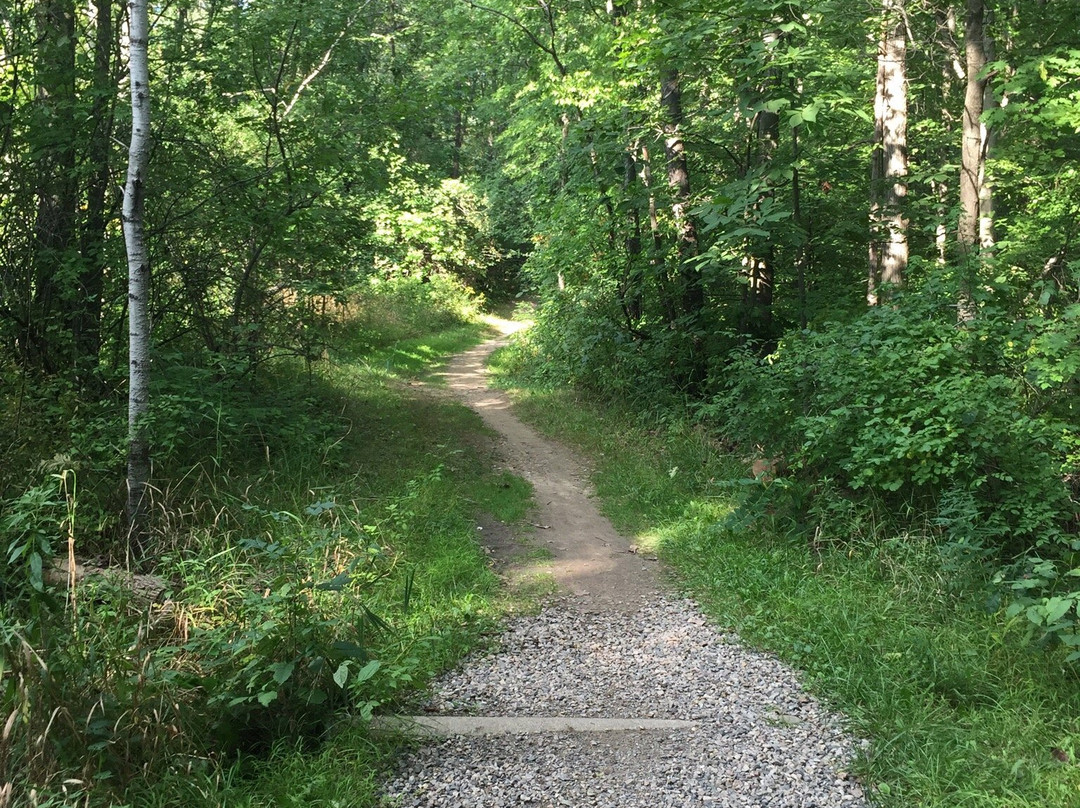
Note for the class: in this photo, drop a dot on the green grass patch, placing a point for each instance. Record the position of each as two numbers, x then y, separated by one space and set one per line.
316 531
887 629
416 356
505 496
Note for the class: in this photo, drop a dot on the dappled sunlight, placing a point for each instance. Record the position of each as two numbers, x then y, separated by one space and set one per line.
492 403
698 515
504 326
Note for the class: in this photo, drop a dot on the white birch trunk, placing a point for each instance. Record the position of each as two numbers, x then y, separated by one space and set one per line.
988 137
974 197
138 260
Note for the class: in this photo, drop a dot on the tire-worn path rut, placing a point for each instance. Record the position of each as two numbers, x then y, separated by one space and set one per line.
619 695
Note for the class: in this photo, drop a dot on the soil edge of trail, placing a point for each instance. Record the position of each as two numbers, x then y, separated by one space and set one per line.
590 561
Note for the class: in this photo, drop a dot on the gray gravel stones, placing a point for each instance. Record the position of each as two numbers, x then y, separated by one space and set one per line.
760 741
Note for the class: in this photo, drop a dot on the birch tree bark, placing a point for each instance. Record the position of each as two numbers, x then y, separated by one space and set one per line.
138 260
889 163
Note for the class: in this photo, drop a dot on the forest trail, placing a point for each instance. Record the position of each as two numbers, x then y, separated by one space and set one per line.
590 561
618 694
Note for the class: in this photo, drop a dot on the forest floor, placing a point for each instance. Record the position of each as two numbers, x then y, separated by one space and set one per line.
619 693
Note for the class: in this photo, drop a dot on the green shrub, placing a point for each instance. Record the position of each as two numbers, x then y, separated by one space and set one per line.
581 339
903 401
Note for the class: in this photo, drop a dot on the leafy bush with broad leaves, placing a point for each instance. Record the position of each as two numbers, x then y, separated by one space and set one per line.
904 401
976 422
285 629
582 340
262 633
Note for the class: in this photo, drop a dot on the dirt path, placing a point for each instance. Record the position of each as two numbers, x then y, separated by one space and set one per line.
616 696
591 562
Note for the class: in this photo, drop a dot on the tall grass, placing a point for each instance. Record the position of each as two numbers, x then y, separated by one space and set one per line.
316 560
904 638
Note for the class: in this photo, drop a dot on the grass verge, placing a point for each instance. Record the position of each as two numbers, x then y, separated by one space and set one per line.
415 463
316 538
900 638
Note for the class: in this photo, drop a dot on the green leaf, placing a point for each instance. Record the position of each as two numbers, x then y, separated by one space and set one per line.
1055 608
367 671
1014 609
266 697
282 671
36 579
350 650
337 583
341 675
316 697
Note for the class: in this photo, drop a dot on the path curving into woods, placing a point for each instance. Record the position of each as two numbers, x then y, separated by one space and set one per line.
619 694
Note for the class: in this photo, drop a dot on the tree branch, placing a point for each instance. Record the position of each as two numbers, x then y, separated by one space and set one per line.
549 50
314 74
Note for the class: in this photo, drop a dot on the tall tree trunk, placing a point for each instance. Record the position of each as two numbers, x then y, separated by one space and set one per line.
86 314
889 164
988 138
758 292
54 154
138 260
952 69
630 289
686 239
974 195
802 256
667 299
763 140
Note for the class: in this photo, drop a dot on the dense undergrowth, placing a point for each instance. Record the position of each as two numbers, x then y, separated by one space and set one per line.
315 559
966 431
902 628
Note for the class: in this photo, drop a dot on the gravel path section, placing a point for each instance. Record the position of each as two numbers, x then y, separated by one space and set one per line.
761 740
616 647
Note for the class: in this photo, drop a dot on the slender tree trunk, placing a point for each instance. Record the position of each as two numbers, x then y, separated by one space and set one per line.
763 140
759 260
667 299
988 138
654 215
138 260
54 225
86 319
974 197
952 70
686 239
889 164
801 257
631 292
